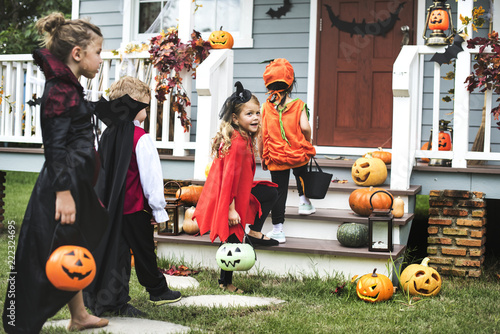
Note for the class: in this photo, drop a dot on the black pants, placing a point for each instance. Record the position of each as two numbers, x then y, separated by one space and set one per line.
267 197
138 232
282 179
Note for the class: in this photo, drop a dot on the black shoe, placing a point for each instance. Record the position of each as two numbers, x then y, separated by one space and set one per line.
128 310
264 242
168 296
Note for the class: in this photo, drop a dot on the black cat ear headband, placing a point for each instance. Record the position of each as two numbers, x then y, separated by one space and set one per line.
241 95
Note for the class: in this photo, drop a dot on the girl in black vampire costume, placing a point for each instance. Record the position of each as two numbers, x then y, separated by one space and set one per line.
63 208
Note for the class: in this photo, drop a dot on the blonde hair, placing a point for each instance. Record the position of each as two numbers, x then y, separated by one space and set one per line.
222 140
61 35
134 87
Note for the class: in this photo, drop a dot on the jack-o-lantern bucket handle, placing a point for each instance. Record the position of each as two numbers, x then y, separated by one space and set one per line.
381 191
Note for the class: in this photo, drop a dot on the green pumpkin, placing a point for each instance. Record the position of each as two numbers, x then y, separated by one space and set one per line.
235 257
352 235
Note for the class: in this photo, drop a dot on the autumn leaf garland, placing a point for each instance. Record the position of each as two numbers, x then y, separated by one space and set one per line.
170 56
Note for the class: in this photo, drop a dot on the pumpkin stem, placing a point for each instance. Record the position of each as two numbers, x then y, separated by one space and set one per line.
425 262
374 274
220 28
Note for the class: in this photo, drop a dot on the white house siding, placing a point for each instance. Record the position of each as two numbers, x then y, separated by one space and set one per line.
446 108
108 15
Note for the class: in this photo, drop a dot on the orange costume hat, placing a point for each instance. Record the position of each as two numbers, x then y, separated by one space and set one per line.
278 70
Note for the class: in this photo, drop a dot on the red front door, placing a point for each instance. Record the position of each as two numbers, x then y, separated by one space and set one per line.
353 102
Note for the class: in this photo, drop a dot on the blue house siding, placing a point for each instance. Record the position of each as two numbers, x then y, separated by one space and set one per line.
108 15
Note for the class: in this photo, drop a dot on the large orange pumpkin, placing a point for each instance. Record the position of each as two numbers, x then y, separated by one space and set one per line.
70 268
374 287
189 195
420 279
359 200
439 20
221 39
369 172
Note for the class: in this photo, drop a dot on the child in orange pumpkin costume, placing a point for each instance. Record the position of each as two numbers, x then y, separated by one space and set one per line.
285 143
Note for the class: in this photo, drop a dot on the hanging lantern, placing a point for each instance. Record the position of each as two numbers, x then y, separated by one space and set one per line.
175 211
380 228
438 21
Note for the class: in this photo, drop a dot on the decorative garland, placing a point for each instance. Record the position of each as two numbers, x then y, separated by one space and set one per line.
170 56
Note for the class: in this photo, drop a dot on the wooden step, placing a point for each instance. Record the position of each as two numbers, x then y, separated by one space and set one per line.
298 256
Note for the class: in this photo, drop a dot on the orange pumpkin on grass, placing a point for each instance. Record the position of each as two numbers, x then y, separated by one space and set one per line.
374 287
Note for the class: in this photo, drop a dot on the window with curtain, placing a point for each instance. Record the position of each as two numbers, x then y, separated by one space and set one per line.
232 15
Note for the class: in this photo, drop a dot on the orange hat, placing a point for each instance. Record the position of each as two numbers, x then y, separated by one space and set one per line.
278 70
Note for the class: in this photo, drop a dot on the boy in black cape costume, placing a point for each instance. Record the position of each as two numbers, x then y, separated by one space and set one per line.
109 292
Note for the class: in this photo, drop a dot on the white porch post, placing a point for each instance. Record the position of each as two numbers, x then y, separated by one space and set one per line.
186 24
404 99
461 106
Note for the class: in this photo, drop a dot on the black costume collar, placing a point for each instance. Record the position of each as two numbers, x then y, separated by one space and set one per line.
122 109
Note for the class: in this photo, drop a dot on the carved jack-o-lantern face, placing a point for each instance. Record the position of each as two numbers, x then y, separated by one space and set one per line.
444 141
221 39
374 287
420 279
369 172
439 20
70 268
235 257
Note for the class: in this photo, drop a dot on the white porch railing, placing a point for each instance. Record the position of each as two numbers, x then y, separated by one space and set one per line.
408 91
22 82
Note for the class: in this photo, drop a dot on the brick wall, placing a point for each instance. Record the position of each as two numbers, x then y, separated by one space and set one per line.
457 232
2 196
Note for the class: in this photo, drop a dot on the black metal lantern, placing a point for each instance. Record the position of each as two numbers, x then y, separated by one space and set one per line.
380 224
175 211
439 20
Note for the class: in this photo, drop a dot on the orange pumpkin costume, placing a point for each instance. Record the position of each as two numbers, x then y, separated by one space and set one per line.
285 146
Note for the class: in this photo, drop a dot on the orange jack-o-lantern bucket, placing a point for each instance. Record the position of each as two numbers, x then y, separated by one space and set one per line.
70 268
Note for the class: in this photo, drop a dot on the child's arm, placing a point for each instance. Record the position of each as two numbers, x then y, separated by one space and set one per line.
260 147
233 216
65 207
304 124
151 177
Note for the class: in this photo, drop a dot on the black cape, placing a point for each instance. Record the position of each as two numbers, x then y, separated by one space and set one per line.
110 289
70 163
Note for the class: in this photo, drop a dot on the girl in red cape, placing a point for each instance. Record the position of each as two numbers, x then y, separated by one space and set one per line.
231 199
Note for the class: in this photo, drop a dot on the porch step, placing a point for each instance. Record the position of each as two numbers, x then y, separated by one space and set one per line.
298 256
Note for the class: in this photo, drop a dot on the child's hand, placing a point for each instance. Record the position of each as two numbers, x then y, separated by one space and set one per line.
65 207
263 164
234 217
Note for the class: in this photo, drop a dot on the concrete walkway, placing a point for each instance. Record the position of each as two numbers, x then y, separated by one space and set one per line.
124 325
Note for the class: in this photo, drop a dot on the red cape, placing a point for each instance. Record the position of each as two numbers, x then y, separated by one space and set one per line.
230 177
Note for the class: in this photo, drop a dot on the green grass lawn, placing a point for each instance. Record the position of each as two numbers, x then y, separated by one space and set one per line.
462 306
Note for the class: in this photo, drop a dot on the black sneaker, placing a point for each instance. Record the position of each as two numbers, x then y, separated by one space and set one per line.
128 310
168 296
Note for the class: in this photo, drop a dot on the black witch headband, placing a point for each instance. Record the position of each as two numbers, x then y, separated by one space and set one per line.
241 95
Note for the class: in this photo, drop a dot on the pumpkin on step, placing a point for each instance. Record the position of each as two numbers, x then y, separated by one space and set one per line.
189 195
398 208
420 279
352 235
374 287
385 156
189 225
359 200
369 172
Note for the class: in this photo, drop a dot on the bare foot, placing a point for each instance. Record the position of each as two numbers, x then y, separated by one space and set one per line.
90 321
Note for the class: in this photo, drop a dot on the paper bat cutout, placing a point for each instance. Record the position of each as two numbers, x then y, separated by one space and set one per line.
34 101
376 28
281 11
450 52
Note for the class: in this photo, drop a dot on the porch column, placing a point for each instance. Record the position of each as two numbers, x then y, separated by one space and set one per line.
461 106
186 24
2 196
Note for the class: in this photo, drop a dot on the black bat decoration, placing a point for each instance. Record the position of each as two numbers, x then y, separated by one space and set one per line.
281 11
450 52
77 275
34 101
363 28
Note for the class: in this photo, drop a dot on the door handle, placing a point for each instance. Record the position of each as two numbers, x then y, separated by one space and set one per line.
406 35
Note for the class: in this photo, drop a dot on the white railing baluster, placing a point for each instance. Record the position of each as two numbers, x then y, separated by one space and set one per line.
19 91
28 121
8 99
487 121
